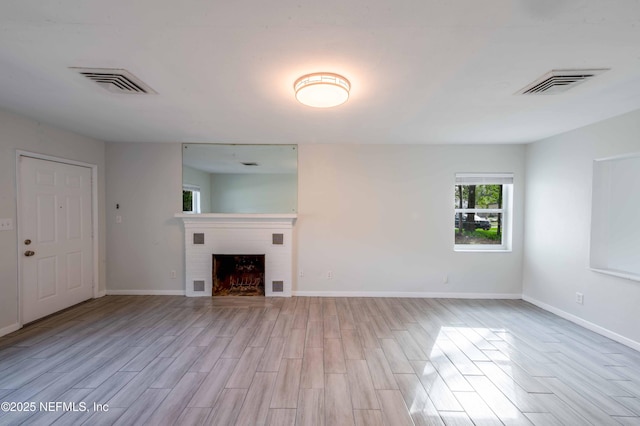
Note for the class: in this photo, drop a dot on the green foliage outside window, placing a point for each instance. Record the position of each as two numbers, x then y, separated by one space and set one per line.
473 229
187 201
486 196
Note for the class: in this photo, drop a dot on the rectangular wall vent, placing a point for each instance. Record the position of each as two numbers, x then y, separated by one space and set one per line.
277 239
116 80
198 238
198 285
559 81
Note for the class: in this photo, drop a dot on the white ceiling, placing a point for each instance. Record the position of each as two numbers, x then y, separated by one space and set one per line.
422 71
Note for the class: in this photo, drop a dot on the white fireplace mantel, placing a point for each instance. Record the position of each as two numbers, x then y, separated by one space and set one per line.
241 219
222 233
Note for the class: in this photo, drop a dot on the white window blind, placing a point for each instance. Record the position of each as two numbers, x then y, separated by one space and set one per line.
484 178
189 187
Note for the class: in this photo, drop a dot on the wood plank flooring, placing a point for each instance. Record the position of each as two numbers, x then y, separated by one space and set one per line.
164 360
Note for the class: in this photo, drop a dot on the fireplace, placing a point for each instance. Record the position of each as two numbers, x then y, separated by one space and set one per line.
238 274
238 234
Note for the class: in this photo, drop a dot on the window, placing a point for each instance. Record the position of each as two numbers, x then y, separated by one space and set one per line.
483 204
190 199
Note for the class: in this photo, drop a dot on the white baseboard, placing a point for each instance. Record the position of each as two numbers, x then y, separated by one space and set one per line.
145 292
9 329
408 294
584 323
101 294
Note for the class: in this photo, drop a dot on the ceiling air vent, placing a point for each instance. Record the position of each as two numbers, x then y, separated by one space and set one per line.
251 164
558 81
116 80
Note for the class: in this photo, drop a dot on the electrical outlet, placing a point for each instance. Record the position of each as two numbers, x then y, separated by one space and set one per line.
301 273
445 279
173 273
6 224
329 275
579 298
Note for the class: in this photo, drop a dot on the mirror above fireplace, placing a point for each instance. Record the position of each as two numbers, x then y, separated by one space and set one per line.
223 178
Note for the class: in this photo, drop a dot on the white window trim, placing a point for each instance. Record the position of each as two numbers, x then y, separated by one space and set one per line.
195 200
504 179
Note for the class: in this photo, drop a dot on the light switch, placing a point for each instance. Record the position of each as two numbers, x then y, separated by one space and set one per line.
6 224
118 219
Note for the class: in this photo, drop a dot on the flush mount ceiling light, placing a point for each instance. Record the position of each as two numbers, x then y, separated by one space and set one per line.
322 89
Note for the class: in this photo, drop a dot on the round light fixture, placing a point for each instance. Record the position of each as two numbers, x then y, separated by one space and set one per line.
322 89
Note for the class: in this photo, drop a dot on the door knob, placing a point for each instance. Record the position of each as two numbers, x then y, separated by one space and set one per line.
27 242
29 253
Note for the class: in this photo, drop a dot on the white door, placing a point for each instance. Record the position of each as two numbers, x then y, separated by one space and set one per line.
55 228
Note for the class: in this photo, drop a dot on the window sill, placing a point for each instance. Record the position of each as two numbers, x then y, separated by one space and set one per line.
481 249
619 274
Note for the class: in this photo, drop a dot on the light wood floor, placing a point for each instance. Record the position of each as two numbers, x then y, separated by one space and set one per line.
312 361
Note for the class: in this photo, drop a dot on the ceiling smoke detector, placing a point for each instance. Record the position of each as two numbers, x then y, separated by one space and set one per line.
559 81
116 80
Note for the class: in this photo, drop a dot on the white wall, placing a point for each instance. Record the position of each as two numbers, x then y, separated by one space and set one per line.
253 193
146 180
202 180
380 218
557 227
20 133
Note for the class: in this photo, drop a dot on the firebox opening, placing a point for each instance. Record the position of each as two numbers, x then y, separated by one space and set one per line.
238 275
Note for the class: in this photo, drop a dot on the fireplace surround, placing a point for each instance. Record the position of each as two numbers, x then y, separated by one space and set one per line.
238 234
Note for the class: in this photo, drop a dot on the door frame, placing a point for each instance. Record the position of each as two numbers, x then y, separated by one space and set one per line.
94 218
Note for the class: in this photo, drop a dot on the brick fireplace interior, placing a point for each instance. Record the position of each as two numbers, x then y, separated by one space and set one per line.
238 274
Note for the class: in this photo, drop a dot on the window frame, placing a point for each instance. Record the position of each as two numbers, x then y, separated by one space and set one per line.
507 181
195 198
